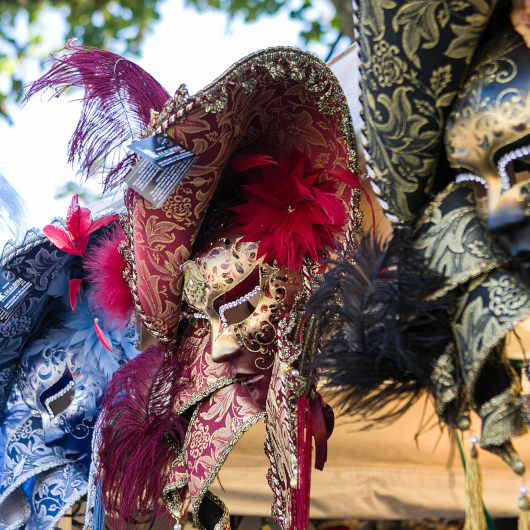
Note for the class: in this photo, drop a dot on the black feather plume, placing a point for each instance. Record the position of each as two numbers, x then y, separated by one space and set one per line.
381 335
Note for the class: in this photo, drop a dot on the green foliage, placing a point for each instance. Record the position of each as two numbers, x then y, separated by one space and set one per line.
317 27
71 188
118 25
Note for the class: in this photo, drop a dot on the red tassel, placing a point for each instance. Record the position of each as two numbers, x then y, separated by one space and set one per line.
73 290
300 510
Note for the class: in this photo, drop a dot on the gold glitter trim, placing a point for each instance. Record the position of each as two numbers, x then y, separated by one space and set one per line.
171 498
437 201
205 392
224 522
280 62
463 277
188 432
486 348
126 249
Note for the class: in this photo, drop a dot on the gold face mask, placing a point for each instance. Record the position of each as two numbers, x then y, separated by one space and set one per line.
244 299
488 137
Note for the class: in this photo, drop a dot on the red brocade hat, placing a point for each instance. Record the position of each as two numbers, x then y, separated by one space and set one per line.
279 121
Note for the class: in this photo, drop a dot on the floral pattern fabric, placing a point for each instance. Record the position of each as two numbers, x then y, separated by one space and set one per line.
60 482
37 261
414 55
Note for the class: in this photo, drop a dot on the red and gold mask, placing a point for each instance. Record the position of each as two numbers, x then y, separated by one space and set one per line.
244 299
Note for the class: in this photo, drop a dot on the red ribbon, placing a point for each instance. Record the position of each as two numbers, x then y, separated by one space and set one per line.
323 424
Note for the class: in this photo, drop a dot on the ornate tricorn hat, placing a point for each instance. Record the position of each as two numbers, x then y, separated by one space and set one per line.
278 120
277 101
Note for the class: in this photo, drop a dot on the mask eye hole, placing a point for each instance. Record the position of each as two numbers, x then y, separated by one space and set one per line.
241 311
59 396
62 403
519 170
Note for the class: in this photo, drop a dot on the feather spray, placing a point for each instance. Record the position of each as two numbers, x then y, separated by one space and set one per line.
382 336
105 266
117 103
138 429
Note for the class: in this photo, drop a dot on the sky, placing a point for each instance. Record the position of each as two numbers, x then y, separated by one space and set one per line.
185 47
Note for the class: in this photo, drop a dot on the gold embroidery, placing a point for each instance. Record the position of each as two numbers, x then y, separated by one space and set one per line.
405 100
456 244
194 282
280 62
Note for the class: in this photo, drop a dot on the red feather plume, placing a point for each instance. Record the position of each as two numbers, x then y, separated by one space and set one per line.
74 239
105 265
293 212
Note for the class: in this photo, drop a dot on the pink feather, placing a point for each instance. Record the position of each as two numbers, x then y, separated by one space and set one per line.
61 239
117 102
137 418
105 265
101 337
73 290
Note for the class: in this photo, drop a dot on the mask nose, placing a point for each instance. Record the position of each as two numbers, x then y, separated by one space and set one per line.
507 214
508 220
224 347
53 434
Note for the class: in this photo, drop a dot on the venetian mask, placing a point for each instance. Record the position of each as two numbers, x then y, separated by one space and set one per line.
54 384
488 137
244 299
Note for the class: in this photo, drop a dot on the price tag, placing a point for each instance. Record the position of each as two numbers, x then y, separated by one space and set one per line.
13 291
164 163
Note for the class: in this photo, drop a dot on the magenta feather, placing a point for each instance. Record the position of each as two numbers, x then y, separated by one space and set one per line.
74 286
105 266
119 96
137 420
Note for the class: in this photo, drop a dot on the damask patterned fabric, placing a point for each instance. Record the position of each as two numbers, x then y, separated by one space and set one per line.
41 475
216 426
38 261
60 482
492 301
413 58
222 412
275 102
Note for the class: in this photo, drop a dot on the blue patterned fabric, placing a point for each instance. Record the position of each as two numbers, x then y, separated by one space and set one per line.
59 483
38 261
45 454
